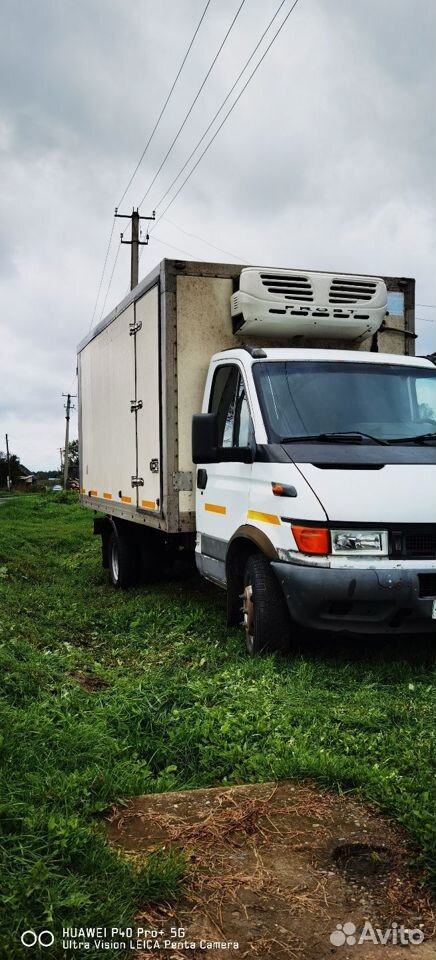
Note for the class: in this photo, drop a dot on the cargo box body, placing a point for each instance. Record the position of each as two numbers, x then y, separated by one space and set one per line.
142 373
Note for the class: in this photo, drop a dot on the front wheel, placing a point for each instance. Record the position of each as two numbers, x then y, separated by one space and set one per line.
266 619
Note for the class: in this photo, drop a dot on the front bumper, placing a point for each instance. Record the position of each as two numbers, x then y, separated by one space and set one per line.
364 600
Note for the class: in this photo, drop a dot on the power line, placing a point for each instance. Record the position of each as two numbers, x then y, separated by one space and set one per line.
143 155
209 144
173 246
202 239
227 114
165 104
165 243
223 103
73 381
174 141
102 273
110 280
187 252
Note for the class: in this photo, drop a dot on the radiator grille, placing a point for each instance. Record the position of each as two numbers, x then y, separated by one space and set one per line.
420 544
343 290
288 287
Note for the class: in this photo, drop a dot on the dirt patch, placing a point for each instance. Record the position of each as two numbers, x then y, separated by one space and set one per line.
284 870
362 861
88 681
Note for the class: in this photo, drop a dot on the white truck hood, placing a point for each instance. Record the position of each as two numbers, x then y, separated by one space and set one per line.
396 493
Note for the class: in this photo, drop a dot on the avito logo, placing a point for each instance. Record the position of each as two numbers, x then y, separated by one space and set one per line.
346 935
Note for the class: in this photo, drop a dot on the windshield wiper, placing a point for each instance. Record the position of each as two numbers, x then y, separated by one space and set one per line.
344 436
419 439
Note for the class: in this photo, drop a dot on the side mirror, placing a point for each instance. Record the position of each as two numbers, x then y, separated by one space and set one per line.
204 438
205 447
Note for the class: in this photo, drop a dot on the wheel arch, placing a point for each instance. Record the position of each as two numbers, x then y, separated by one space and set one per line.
104 526
244 542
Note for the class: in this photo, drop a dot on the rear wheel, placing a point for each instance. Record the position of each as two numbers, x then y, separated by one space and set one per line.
266 619
123 559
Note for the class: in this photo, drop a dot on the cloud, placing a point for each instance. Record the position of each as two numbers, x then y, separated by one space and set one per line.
326 162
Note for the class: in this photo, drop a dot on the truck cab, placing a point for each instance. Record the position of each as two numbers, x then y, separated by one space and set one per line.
315 500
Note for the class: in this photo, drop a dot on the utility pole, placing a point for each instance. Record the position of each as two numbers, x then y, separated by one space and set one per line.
8 477
62 462
135 242
68 407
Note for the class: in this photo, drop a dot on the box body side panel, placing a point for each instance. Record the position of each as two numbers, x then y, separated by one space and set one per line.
107 427
203 328
117 367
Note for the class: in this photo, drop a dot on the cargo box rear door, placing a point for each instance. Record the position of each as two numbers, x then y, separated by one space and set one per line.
148 402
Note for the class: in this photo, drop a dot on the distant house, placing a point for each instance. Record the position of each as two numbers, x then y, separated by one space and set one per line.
26 478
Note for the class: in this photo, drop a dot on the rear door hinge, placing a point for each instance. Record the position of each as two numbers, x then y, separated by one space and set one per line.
137 481
134 327
135 405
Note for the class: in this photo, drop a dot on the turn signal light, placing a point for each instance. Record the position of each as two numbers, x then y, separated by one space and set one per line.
312 539
283 490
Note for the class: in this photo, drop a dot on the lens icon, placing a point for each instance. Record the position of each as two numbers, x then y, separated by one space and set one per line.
29 938
44 939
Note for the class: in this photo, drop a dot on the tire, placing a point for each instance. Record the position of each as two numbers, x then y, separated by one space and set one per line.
266 620
123 559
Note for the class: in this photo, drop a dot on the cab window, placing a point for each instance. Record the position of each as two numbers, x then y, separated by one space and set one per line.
228 400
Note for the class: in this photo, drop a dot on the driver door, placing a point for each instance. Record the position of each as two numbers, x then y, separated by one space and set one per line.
223 488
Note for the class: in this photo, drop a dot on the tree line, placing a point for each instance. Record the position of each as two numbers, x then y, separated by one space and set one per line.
17 469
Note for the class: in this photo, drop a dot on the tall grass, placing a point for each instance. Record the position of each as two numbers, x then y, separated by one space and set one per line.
181 707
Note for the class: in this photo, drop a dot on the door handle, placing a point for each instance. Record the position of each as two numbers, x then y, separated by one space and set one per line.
201 479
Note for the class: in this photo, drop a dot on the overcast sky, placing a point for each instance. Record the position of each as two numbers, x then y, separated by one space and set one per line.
327 162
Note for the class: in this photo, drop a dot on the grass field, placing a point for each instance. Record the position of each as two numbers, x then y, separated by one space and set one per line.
178 705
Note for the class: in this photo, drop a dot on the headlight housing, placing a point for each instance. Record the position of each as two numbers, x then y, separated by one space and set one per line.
360 542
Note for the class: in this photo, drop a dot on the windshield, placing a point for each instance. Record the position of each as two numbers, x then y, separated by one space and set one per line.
307 398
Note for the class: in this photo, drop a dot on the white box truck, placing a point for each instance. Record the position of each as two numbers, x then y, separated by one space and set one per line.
277 423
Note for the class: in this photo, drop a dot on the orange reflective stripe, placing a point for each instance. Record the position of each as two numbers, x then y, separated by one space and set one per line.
264 517
150 504
126 499
215 508
107 496
92 493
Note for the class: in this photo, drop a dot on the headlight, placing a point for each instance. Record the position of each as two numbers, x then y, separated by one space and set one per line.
362 542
